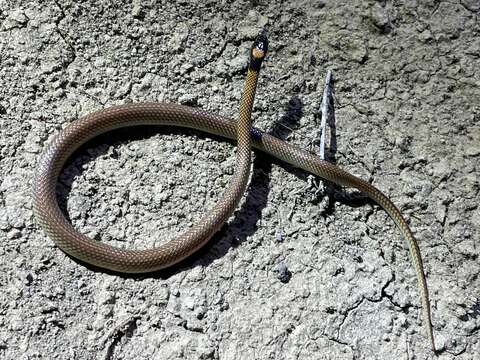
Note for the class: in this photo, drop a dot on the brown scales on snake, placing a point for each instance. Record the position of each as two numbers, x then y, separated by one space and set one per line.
53 221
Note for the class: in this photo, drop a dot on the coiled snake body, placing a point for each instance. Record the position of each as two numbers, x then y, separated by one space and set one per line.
53 221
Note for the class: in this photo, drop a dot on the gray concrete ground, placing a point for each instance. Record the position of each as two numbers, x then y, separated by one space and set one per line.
288 277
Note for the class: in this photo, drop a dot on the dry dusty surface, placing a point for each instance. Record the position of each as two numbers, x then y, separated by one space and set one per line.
292 275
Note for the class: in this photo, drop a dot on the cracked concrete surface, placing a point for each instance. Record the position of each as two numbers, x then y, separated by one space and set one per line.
408 95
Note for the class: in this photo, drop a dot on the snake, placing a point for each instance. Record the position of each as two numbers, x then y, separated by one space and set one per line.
52 160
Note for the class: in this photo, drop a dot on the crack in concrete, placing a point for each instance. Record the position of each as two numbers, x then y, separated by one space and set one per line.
383 295
58 20
216 55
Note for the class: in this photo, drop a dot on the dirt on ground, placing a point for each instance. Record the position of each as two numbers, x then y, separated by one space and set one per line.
297 273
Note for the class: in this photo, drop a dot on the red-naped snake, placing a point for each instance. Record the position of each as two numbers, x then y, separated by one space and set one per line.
53 221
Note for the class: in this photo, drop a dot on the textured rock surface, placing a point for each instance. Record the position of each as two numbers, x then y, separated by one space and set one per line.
288 278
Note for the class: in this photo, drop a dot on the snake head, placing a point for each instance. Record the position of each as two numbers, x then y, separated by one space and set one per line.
258 51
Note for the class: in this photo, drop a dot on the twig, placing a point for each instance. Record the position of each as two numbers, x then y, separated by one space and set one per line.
326 110
115 334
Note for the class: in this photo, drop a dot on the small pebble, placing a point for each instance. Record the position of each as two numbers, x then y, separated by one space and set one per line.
28 279
283 274
14 234
279 236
